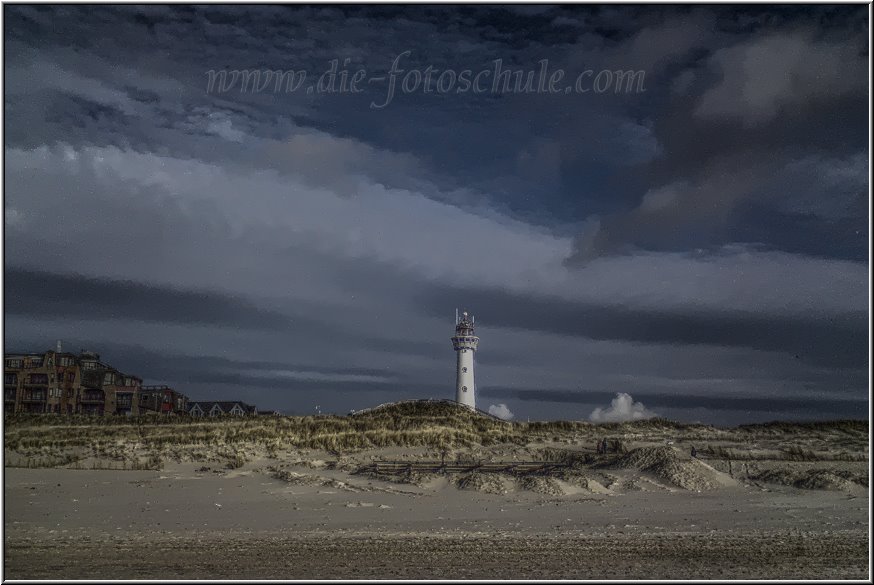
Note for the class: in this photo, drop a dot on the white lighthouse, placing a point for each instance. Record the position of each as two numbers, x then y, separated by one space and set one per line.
465 342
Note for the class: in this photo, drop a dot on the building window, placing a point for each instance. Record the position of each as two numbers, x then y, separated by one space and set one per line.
10 379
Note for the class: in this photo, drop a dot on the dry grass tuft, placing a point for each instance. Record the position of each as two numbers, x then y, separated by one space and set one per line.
490 483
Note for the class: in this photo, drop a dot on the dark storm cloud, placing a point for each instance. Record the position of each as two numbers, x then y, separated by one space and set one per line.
158 365
838 341
759 105
669 43
263 382
322 242
804 233
807 406
74 296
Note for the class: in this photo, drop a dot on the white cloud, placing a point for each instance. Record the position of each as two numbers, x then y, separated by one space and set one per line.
500 411
40 74
622 408
264 212
258 220
224 128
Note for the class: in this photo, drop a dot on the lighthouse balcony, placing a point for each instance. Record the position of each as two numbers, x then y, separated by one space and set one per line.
464 342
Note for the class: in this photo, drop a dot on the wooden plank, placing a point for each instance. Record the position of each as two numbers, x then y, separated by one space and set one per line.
395 467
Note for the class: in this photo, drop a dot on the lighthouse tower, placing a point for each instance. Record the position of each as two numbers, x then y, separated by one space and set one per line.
464 342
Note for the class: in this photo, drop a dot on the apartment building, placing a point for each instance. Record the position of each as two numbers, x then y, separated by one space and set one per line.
67 383
41 382
59 382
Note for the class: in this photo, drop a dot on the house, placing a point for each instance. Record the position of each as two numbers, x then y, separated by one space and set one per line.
219 408
162 400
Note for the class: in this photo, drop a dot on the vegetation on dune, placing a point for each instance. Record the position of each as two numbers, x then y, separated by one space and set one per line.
847 426
439 426
407 424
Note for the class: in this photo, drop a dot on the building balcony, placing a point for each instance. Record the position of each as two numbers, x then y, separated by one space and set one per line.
37 387
34 398
92 399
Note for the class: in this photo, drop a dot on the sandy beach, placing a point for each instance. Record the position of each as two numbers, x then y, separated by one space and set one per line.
431 491
190 522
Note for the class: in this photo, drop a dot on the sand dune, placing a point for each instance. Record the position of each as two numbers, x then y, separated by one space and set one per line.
254 499
667 464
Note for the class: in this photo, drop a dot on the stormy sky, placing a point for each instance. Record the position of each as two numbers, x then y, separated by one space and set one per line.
699 242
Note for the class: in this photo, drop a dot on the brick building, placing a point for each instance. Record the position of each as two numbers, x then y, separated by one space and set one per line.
162 400
59 382
41 382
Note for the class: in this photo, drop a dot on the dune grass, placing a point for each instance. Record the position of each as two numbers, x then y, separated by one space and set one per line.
142 442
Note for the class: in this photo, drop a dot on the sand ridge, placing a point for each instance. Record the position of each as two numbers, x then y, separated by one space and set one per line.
763 502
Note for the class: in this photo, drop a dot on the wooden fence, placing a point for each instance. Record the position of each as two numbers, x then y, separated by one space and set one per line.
401 467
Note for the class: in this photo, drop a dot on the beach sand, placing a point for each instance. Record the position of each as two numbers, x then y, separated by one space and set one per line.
314 522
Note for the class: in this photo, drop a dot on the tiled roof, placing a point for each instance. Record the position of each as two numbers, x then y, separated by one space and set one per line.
225 405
